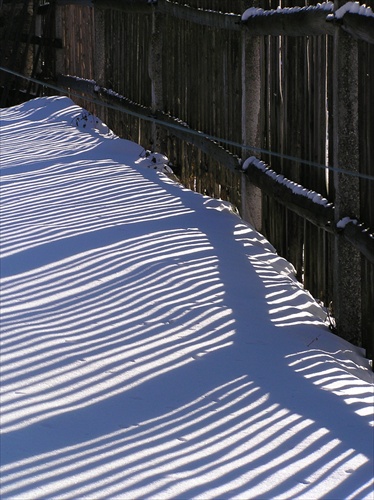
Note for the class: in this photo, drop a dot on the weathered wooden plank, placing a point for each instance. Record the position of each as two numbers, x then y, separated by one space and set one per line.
214 150
320 215
156 74
367 274
366 126
308 22
75 2
251 196
133 6
213 19
347 261
359 26
302 22
361 239
211 148
295 90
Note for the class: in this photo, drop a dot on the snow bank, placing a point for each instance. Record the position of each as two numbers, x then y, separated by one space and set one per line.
153 344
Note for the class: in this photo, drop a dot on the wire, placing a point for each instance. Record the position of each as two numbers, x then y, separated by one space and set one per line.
183 128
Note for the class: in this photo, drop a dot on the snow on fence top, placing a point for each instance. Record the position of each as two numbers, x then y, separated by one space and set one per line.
350 7
293 186
253 11
354 8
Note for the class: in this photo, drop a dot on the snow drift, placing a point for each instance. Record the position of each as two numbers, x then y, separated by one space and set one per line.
153 344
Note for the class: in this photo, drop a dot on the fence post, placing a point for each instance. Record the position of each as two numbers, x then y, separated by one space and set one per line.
251 205
59 34
347 261
155 72
99 47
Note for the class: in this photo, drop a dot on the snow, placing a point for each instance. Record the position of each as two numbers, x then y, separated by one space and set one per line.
293 186
346 220
354 8
153 344
351 7
257 11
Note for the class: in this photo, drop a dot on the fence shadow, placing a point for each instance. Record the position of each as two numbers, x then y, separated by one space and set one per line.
146 335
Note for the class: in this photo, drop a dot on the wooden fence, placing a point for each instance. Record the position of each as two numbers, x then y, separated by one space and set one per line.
292 86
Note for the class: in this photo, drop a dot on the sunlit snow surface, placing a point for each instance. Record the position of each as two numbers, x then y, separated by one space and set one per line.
153 344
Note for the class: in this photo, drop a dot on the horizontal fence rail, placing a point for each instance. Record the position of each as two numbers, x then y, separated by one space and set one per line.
212 83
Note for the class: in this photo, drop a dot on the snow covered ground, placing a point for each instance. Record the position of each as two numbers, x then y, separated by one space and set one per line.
153 345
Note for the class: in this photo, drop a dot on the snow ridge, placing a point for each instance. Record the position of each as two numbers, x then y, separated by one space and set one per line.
295 188
154 345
